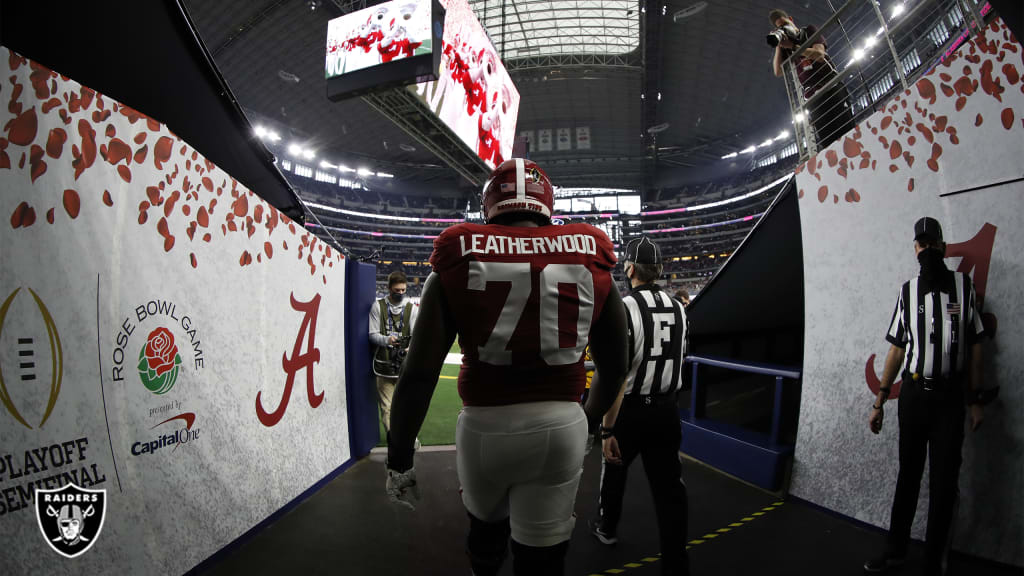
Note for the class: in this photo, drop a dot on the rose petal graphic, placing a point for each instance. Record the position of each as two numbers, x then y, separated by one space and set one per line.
72 203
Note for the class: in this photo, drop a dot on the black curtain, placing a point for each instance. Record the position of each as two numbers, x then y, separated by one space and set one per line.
753 311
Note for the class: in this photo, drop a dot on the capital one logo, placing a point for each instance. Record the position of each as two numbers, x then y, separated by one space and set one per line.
299 360
976 256
34 343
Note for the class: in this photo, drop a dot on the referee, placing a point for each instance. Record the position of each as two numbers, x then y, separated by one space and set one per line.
935 335
644 420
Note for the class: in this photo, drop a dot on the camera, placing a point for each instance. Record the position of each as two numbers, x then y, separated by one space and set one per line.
794 34
388 360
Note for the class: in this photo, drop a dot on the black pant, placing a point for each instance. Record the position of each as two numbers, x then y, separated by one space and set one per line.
652 432
932 424
831 116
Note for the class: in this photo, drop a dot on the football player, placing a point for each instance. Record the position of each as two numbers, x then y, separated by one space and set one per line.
525 297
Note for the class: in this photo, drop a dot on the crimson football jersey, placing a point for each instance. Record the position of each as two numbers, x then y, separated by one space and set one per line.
524 300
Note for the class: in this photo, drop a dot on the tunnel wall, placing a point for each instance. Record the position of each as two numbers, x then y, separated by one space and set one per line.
166 336
952 148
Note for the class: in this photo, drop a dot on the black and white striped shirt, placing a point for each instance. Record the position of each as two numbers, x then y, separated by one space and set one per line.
657 338
935 327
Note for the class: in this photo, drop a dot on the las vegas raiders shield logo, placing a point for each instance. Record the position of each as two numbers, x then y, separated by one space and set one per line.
71 518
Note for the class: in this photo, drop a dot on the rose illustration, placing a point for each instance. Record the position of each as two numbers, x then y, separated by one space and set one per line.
159 361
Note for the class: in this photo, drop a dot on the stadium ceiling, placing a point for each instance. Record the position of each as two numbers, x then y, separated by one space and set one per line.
706 74
529 33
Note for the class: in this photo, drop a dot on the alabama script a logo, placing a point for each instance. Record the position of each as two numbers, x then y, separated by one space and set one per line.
71 518
299 360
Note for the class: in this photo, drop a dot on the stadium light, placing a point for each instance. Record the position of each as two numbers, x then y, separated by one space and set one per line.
730 155
799 117
748 150
294 150
343 168
364 172
309 154
385 175
897 10
260 131
767 142
782 135
326 164
273 136
858 54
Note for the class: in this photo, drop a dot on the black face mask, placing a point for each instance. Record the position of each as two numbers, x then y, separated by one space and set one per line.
396 298
934 273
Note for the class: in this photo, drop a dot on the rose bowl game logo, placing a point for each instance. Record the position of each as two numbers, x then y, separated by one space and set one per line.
159 361
70 518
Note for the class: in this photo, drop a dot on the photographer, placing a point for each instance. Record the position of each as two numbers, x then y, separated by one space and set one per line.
391 321
829 113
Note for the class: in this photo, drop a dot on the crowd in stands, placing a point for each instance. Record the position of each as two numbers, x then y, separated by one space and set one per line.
677 197
693 254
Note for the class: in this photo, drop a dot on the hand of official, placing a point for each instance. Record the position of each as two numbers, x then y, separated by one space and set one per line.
977 416
402 488
392 340
875 420
610 449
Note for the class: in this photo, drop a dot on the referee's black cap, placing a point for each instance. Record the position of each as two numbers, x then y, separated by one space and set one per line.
642 251
928 229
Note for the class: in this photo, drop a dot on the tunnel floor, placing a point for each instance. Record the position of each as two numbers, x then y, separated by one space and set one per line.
348 527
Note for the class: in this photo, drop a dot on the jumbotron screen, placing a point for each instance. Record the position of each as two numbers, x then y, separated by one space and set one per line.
378 35
473 95
384 46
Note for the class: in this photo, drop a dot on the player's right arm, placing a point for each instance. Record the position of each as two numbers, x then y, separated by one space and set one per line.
608 343
420 372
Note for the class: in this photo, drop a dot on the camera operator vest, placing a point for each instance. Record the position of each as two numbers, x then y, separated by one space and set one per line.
388 323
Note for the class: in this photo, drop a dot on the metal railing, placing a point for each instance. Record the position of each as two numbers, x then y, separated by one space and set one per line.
698 409
873 51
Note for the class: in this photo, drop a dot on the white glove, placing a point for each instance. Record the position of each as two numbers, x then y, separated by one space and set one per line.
402 489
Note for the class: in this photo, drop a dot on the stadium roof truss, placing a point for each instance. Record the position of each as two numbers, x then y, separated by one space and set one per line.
549 33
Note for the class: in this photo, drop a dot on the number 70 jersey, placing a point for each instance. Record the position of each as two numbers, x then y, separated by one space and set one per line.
524 301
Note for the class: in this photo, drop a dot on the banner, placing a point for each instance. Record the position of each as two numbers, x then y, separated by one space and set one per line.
564 139
544 140
950 148
170 344
583 138
531 140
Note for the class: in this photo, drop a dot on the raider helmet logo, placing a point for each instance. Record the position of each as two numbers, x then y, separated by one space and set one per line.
71 518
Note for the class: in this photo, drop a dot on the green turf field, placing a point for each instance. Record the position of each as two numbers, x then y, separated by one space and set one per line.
439 426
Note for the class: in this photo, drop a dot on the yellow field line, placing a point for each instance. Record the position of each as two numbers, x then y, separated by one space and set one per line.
701 540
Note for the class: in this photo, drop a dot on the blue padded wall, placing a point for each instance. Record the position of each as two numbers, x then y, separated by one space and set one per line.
360 292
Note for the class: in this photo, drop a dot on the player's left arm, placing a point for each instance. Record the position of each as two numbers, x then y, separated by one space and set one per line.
420 372
608 343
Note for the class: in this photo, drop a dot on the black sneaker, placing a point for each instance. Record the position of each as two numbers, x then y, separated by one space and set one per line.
883 564
605 538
